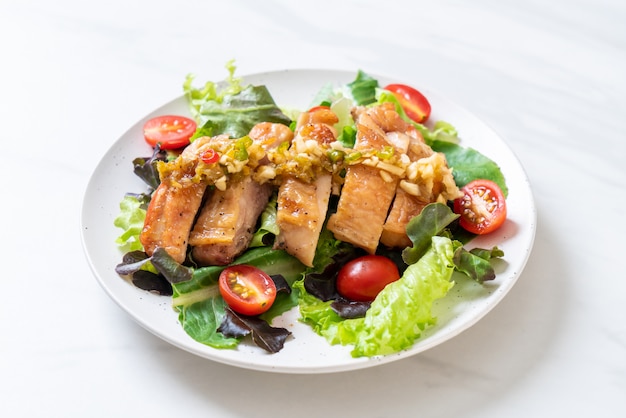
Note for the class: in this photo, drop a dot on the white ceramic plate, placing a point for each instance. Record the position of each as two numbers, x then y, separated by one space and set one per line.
305 352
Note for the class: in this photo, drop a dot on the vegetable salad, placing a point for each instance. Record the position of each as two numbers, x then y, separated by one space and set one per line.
396 315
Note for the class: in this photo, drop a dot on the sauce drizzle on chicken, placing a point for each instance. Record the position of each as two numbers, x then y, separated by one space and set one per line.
390 175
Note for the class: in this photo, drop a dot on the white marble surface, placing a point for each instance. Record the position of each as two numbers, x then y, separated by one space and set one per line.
549 76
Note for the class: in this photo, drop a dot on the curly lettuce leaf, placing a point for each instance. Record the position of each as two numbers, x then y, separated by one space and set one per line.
211 91
399 313
230 107
130 219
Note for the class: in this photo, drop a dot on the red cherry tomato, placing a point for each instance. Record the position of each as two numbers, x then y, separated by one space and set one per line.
482 207
363 278
248 290
172 132
414 103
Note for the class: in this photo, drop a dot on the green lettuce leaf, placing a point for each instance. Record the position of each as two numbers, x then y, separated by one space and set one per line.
434 219
211 91
327 251
236 114
399 313
468 164
230 107
342 107
202 309
203 284
130 218
363 89
240 112
201 320
476 263
325 95
269 228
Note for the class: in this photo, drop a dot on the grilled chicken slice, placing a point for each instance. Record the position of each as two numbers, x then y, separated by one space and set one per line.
173 207
302 205
169 218
434 182
227 219
405 205
366 194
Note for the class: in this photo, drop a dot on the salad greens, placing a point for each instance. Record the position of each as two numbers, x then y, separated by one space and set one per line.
470 164
232 109
202 310
131 218
401 312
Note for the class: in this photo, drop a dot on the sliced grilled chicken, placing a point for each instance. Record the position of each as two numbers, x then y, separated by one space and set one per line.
367 193
405 205
174 206
432 182
227 219
302 205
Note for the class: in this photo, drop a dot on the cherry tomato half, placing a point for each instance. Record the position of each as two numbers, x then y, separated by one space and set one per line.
171 131
248 290
414 103
482 207
363 278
